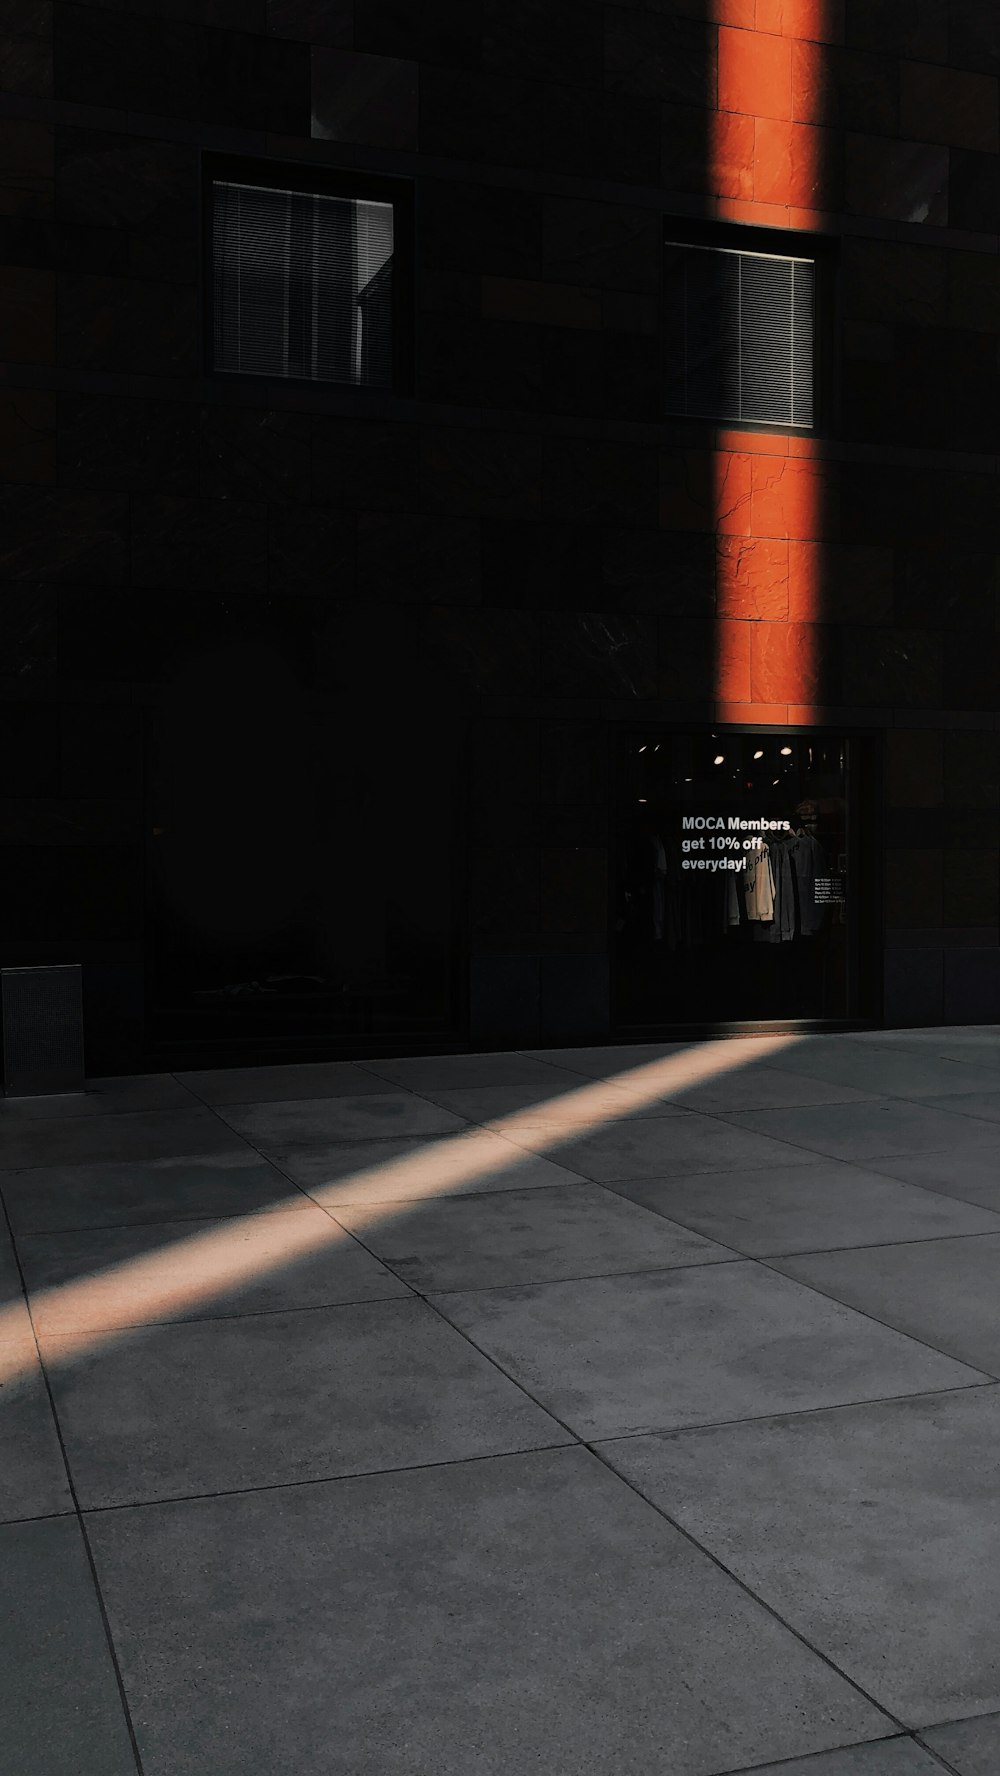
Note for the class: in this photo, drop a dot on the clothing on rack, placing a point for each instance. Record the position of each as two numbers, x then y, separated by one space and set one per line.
808 862
782 926
796 859
755 881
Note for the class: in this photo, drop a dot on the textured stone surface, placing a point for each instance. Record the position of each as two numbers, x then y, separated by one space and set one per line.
106 1278
514 1237
723 1341
232 1403
54 1644
251 1376
943 1294
849 1524
805 1208
122 1193
498 1647
970 1746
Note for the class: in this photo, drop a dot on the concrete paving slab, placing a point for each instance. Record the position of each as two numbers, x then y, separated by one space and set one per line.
985 1104
872 1530
971 1747
619 1355
485 1619
820 1205
215 1405
277 1389
307 1120
525 1236
610 1059
944 1292
985 1054
891 1072
578 1106
178 1270
886 1757
102 1097
661 1146
87 1140
971 1175
53 1199
411 1168
867 1130
10 1277
978 1044
33 1480
760 1087
60 1710
271 1085
421 1073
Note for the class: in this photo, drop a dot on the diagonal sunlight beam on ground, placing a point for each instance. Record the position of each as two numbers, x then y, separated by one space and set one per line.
97 1310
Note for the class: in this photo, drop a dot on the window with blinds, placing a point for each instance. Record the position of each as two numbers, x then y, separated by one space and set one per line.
739 335
301 285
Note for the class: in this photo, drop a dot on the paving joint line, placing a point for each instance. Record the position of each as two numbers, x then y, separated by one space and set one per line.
932 1751
225 1492
575 1440
79 1516
619 1188
918 1734
813 1757
789 1412
885 1324
749 1592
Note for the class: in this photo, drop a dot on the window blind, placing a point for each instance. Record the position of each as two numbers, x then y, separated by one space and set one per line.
302 284
739 335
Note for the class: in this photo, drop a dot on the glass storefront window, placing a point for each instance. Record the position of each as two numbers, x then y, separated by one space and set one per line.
732 897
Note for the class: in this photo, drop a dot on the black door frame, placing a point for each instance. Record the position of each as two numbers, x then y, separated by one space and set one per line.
865 945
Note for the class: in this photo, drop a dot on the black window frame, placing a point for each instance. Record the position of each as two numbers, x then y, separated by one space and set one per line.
865 776
318 180
784 243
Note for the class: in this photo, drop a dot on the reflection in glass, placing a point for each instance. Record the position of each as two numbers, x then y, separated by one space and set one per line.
732 896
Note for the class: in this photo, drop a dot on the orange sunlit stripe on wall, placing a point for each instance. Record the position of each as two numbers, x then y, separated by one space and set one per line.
767 153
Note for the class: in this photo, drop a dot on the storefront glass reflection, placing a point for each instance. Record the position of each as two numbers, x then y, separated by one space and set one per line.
732 896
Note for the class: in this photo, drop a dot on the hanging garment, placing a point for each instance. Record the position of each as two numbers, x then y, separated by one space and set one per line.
808 862
783 922
755 883
758 885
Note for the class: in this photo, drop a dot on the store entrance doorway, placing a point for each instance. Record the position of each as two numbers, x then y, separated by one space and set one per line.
737 878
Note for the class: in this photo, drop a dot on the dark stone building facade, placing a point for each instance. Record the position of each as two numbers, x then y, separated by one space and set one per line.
323 704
